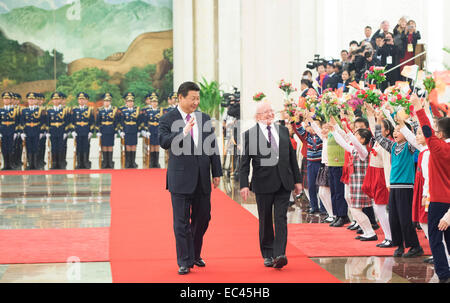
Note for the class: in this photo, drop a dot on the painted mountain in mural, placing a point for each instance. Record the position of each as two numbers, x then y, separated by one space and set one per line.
85 28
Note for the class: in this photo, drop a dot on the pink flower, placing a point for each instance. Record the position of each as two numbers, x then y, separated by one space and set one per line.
372 68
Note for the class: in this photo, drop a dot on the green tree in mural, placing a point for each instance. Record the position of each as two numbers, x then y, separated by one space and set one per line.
139 81
167 82
92 81
27 62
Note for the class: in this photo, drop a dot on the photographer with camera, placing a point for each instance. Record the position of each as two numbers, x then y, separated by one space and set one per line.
231 126
390 56
364 59
409 43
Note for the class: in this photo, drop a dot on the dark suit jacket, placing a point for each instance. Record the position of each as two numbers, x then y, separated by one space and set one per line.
268 178
188 165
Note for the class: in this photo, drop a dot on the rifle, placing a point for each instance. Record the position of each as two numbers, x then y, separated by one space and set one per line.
74 152
49 157
100 158
122 158
24 155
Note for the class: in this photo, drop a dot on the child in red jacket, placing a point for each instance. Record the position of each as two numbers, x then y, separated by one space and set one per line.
439 178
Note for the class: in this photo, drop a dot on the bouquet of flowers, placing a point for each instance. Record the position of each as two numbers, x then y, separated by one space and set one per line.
370 96
355 103
398 101
376 73
259 96
429 84
311 102
291 110
330 105
286 87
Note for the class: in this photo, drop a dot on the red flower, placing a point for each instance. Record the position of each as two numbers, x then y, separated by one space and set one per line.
408 97
399 97
372 68
366 95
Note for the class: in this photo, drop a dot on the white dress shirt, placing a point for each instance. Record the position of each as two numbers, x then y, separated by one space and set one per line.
195 129
273 130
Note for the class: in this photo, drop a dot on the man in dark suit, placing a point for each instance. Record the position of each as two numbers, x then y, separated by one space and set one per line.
275 174
193 156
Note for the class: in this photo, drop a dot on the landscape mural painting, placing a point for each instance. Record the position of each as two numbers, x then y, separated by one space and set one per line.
95 46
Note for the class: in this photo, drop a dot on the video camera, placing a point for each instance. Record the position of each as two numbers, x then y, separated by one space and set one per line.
231 98
232 101
316 62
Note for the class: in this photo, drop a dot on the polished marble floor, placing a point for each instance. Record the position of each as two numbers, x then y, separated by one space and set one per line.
76 201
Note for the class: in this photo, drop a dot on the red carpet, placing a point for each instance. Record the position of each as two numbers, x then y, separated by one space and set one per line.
53 245
142 243
321 240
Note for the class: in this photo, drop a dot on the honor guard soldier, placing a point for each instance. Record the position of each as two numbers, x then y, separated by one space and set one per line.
130 122
107 127
42 136
153 116
69 126
8 129
83 123
18 148
33 125
57 122
173 102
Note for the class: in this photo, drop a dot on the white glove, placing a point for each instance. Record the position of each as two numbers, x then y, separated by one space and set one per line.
99 135
47 135
41 136
148 134
23 136
14 138
143 133
74 134
2 136
64 136
89 135
122 135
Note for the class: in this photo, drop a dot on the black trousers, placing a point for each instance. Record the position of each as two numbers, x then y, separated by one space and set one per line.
400 217
435 213
273 244
191 216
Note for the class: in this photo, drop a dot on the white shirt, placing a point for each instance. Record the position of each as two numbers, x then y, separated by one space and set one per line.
273 130
194 129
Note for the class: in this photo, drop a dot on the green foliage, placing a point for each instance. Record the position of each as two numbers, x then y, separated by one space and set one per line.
210 98
140 82
24 63
92 81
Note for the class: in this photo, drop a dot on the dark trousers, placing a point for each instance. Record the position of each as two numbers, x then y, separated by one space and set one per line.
273 244
191 216
337 188
435 213
400 217
370 214
312 172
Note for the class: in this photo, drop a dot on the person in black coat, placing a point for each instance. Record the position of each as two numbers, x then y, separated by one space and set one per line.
193 156
390 56
268 150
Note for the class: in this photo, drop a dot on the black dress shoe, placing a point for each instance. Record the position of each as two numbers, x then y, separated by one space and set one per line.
413 252
339 222
354 227
373 238
268 262
399 252
280 261
358 238
200 263
385 244
351 225
359 231
334 221
183 270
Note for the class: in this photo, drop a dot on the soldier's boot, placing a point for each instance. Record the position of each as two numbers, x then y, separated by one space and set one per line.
133 159
87 163
79 161
157 160
110 160
127 159
104 160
